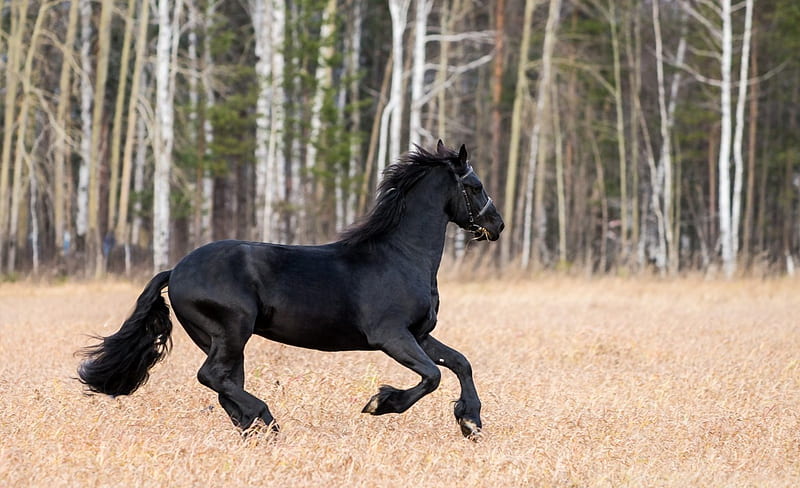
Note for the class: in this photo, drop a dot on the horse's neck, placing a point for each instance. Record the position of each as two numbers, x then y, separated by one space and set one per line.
422 229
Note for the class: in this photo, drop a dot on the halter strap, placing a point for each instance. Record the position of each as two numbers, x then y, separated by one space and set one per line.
472 216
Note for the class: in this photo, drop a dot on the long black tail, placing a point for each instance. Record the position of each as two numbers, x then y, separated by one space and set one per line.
119 364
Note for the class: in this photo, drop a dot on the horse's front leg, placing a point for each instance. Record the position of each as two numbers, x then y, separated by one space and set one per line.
468 407
404 348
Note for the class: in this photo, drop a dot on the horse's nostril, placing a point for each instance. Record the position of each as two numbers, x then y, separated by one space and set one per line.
502 226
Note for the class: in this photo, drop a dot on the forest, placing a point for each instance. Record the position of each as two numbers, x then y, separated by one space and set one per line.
615 136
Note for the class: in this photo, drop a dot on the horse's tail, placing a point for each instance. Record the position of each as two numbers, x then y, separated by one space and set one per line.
119 364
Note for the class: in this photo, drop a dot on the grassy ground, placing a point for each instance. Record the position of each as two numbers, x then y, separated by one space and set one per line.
584 383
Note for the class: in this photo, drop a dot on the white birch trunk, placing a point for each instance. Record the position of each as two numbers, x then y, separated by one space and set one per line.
164 135
725 230
355 56
207 199
276 151
260 11
423 8
662 180
61 150
323 81
137 87
739 130
398 9
82 217
538 149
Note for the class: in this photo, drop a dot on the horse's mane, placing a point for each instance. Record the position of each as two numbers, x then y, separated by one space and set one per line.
390 202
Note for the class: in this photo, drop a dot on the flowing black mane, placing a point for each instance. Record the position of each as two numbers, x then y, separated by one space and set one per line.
390 204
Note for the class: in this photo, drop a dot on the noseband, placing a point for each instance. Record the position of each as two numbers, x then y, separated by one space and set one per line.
473 226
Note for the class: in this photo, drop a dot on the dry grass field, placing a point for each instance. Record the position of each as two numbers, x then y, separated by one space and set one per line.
584 383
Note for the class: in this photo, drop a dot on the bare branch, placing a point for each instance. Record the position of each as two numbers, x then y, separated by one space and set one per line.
458 71
589 69
486 36
711 5
699 77
712 29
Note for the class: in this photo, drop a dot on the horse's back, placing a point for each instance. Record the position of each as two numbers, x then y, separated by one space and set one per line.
298 295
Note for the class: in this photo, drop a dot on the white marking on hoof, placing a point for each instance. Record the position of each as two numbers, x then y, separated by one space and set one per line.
372 406
260 429
471 430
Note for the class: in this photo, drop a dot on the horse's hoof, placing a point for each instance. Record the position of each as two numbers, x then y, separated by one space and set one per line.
470 430
372 405
261 429
383 402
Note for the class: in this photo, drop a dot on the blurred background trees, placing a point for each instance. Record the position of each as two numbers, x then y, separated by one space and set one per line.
617 136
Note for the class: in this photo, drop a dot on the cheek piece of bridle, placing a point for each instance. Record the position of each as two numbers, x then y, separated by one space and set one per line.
479 231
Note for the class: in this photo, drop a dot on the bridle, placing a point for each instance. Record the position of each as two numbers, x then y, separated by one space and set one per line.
480 231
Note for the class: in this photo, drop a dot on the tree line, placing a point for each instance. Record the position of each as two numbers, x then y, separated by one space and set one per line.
617 136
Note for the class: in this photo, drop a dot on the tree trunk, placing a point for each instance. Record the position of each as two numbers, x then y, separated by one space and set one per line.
116 133
20 151
738 135
82 218
61 149
17 16
620 127
560 190
725 223
509 197
261 14
207 198
539 150
355 115
164 134
398 9
121 230
497 92
276 149
752 142
93 237
423 8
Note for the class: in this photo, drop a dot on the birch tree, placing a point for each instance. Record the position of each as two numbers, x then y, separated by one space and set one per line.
17 15
725 222
393 111
423 8
261 13
82 217
93 238
166 48
62 131
20 152
541 121
116 133
122 227
520 95
738 135
276 149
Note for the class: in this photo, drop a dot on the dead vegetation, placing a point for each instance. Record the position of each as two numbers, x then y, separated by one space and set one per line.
584 383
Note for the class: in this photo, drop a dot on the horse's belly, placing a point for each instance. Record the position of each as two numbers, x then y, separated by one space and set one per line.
313 333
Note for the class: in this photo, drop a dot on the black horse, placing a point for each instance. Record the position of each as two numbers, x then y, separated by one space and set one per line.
374 289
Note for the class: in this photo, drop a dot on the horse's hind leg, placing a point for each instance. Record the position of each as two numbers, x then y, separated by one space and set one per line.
468 407
223 372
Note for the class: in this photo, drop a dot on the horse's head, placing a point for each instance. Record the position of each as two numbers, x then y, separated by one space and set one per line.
469 206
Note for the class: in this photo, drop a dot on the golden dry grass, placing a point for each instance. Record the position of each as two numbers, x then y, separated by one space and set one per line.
584 383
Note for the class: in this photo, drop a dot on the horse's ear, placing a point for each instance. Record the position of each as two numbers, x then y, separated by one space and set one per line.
440 149
463 157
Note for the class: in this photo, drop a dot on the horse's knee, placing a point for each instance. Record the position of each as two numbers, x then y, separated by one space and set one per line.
432 379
